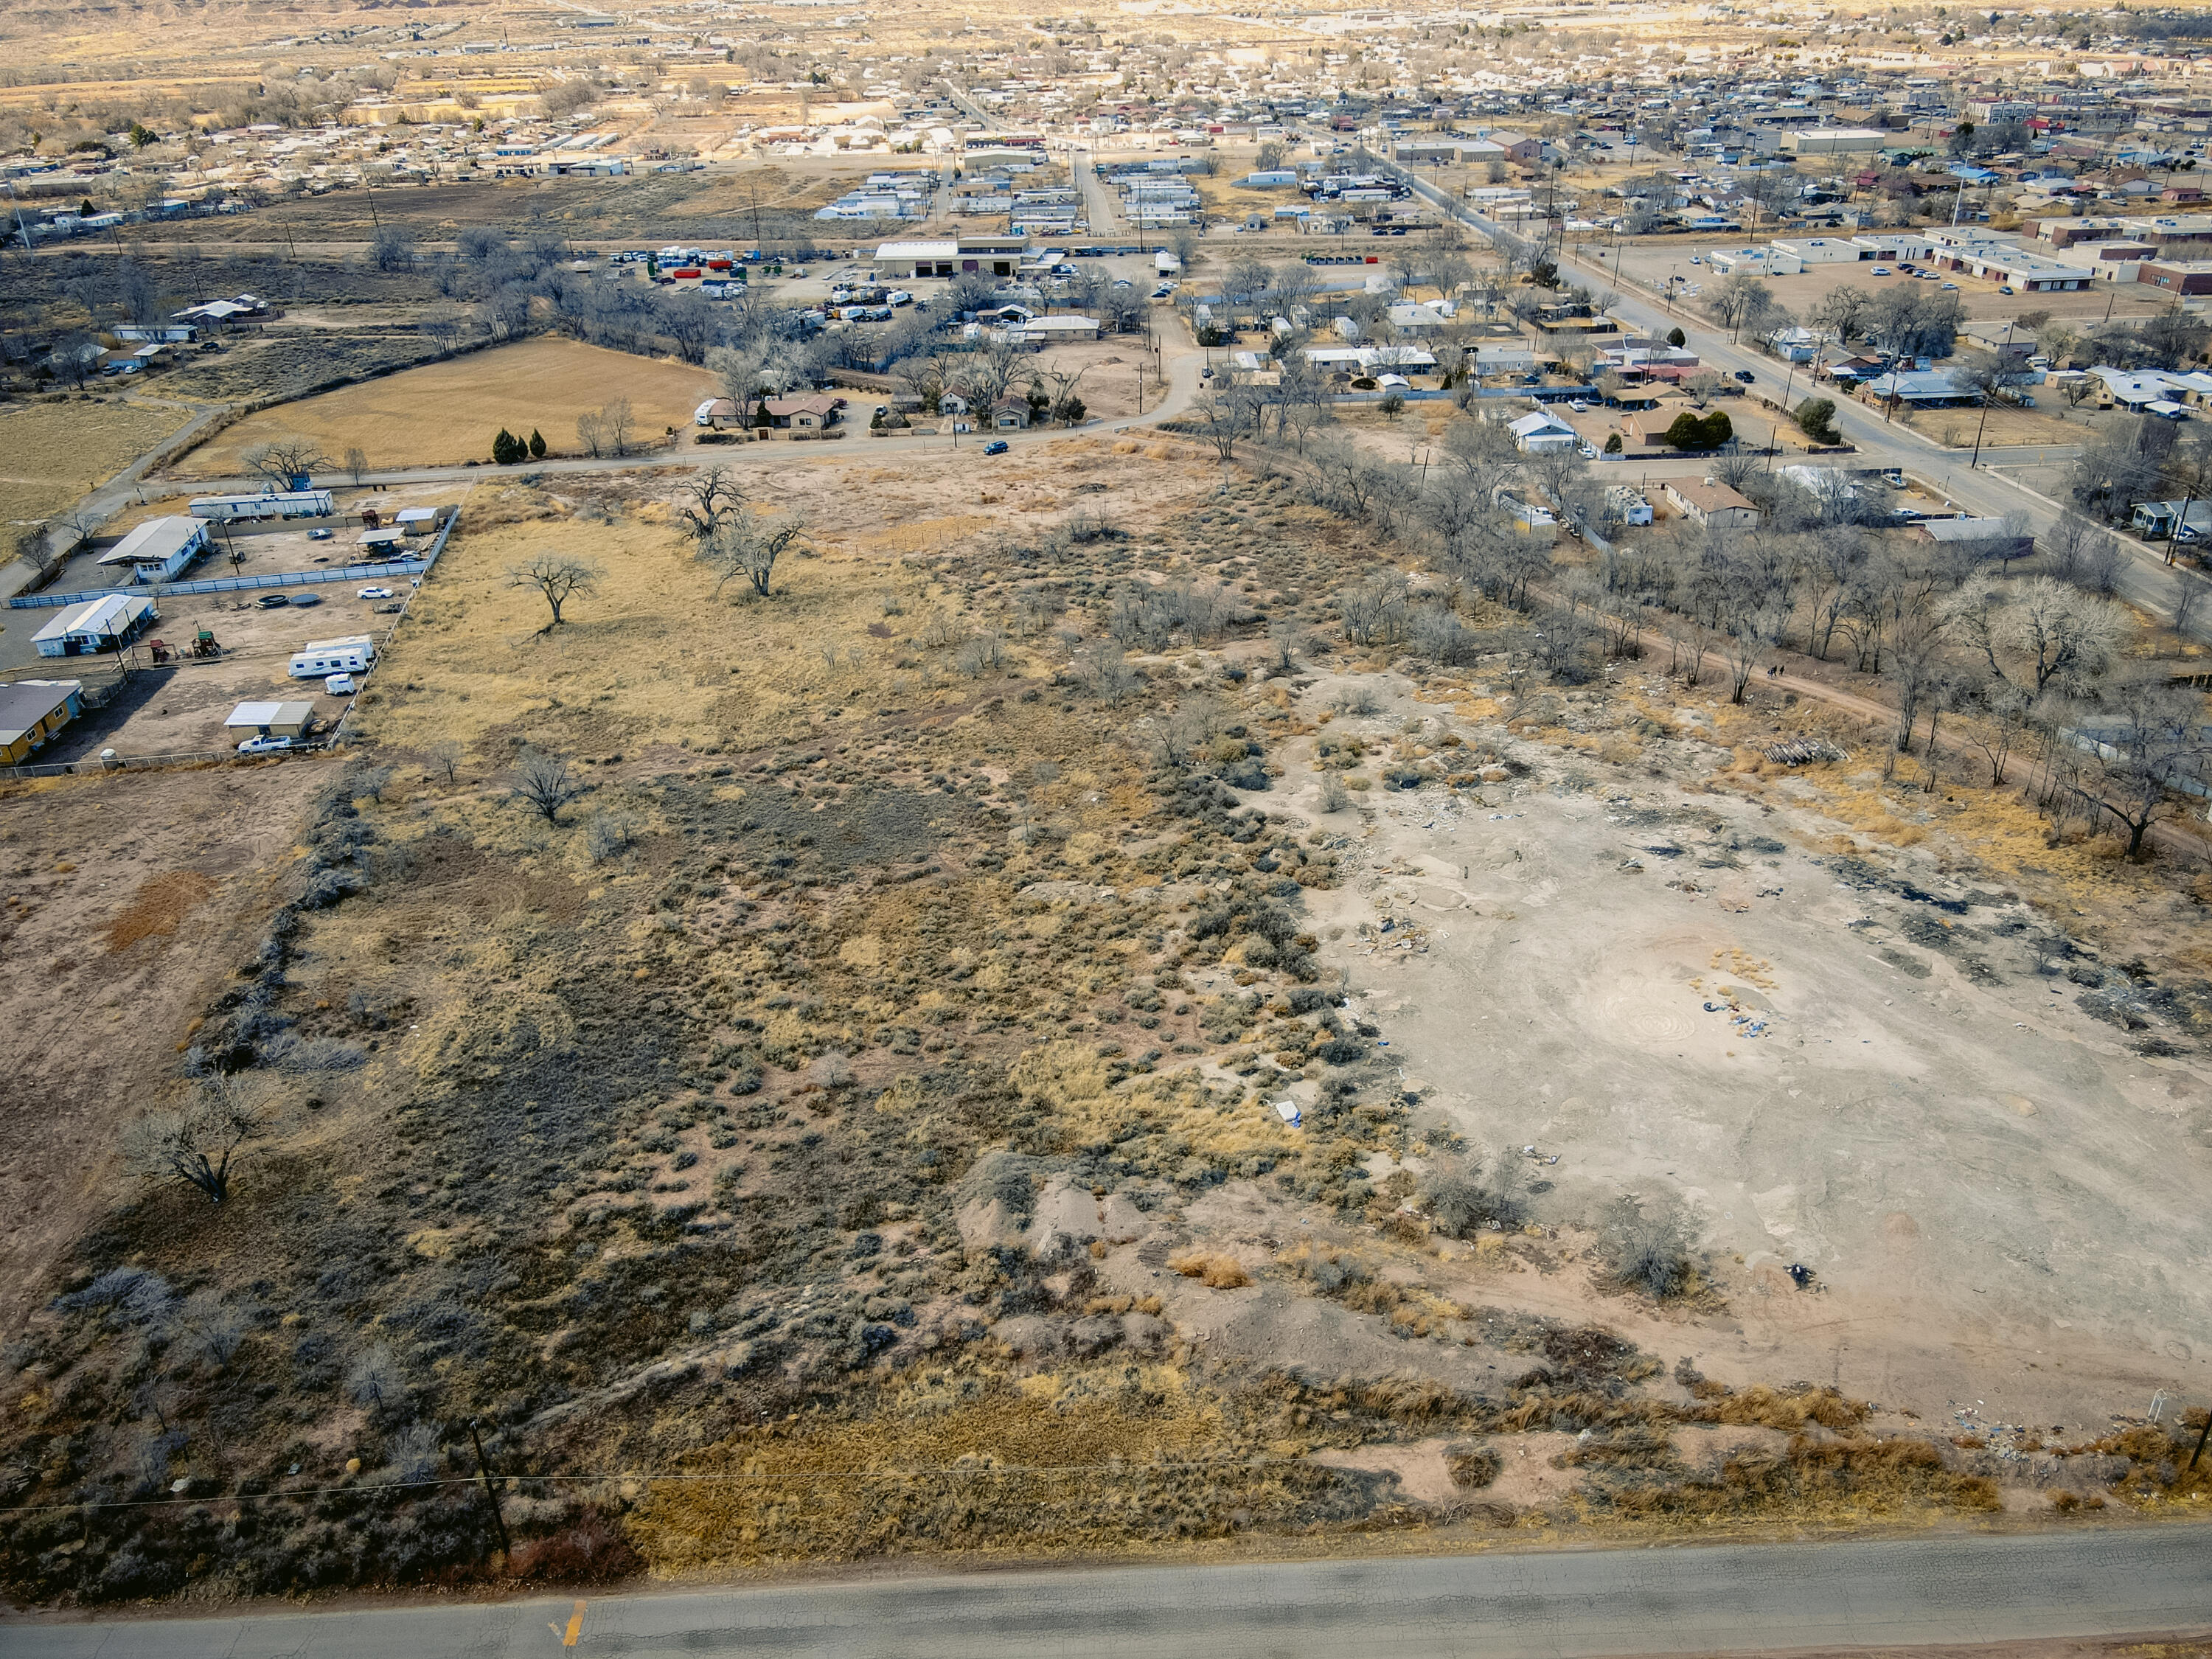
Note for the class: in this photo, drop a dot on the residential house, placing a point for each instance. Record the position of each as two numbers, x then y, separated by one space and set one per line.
106 623
1542 430
2156 520
1010 415
1714 506
815 412
32 711
158 550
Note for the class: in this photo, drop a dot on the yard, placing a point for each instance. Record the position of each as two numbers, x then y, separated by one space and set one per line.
447 412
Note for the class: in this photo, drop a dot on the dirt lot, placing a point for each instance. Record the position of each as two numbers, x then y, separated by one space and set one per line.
128 901
449 411
53 453
1922 1118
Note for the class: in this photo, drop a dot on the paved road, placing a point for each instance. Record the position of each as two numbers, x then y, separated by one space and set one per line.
1540 1605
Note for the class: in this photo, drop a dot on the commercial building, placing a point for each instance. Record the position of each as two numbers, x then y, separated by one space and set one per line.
159 549
993 256
2176 276
1834 140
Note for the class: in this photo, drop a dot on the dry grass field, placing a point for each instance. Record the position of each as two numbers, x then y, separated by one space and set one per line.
448 411
1047 986
52 454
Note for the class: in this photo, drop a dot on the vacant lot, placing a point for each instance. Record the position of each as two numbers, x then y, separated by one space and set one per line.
448 411
943 1013
127 902
53 453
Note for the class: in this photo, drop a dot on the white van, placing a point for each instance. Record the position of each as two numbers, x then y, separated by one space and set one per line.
318 658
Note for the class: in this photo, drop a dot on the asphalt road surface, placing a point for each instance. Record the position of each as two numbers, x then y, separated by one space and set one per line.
1913 1591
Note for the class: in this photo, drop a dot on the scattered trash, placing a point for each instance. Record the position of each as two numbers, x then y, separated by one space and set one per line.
1288 1111
1799 1276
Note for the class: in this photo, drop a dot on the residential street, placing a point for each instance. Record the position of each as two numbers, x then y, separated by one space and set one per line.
2146 580
1538 1605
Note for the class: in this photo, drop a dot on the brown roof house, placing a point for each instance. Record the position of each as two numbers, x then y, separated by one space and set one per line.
1712 505
812 413
1010 414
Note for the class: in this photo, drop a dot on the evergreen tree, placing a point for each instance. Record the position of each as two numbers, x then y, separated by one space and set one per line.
536 445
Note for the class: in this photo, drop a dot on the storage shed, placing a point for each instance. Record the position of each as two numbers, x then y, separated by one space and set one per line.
271 720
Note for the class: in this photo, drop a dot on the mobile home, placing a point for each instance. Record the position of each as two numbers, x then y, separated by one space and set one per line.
269 504
319 658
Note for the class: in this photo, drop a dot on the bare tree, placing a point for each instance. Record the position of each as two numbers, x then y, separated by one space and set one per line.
619 422
356 465
559 577
748 545
544 783
285 458
591 432
2142 741
2188 594
705 499
444 758
202 1141
2040 633
442 328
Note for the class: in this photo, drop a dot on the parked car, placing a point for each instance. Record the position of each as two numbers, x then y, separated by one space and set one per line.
1588 449
1951 288
2004 288
304 600
373 593
264 745
1163 291
1879 271
338 685
319 535
996 446
1746 376
272 601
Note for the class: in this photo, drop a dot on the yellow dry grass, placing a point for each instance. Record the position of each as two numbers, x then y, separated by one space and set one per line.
51 454
948 1461
448 412
654 655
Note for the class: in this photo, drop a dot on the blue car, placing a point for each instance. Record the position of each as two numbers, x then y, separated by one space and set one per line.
996 446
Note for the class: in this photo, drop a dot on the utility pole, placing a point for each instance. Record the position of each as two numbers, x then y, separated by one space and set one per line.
483 1470
1982 425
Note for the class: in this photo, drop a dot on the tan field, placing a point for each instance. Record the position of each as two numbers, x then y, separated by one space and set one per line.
447 412
51 453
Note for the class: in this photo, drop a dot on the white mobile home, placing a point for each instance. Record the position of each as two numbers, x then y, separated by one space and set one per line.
317 658
269 504
158 548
